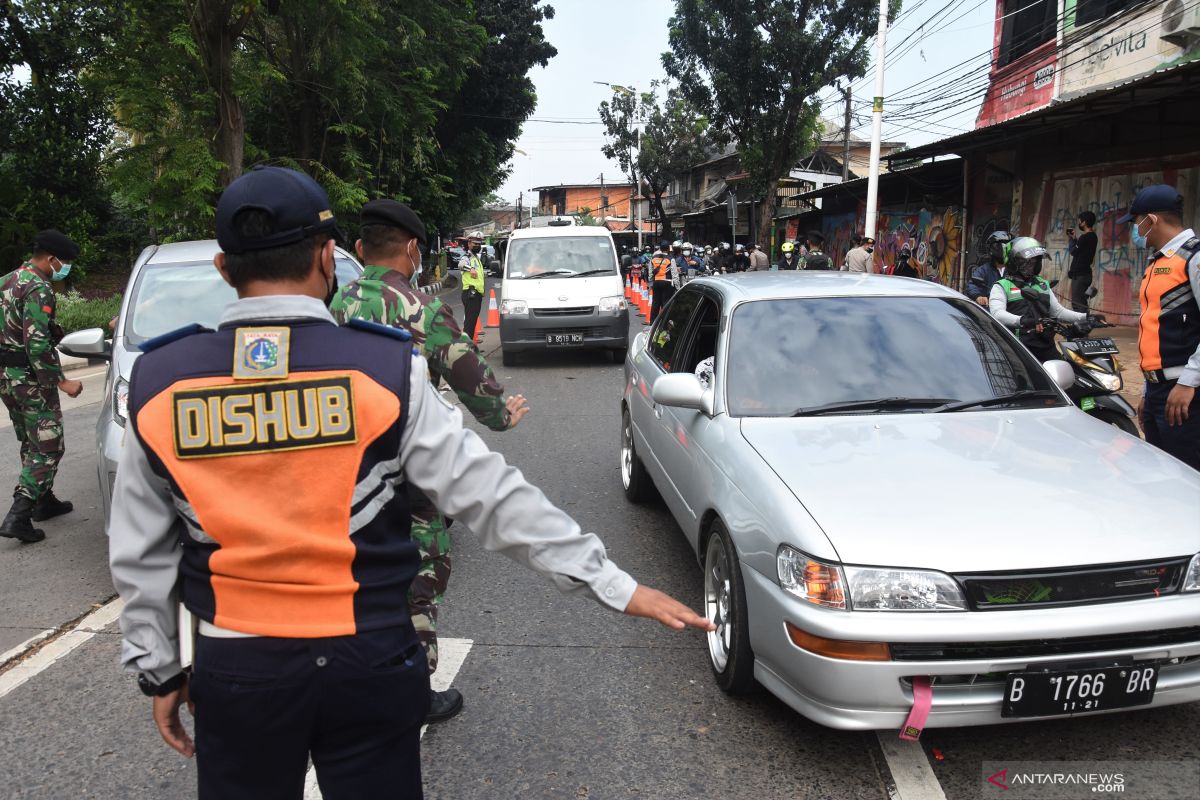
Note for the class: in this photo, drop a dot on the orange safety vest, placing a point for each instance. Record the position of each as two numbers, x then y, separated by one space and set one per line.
661 268
1169 327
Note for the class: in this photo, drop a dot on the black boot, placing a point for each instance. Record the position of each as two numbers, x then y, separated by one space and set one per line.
17 524
443 705
49 506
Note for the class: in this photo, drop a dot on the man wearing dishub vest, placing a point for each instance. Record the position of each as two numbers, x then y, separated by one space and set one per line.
263 484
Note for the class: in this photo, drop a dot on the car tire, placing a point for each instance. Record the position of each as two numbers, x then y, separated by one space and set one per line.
508 358
1118 420
639 488
729 653
618 356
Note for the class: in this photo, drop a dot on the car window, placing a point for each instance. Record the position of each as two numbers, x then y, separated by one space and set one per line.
701 341
530 258
167 297
786 355
670 328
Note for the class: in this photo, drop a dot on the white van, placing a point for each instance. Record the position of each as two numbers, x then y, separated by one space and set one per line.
562 288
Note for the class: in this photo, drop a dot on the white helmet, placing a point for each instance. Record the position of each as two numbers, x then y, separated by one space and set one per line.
475 235
724 245
676 244
687 248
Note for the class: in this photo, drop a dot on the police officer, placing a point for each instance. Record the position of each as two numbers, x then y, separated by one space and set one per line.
1022 299
988 271
390 243
263 482
1169 327
471 266
664 277
31 378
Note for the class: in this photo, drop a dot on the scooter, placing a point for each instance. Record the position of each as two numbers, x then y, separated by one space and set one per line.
1098 378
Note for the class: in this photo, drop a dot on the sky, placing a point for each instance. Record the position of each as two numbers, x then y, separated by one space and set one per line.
621 42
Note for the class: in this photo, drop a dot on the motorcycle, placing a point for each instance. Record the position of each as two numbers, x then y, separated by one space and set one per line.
1098 378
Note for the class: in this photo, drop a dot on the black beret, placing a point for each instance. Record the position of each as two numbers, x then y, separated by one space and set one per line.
395 214
57 244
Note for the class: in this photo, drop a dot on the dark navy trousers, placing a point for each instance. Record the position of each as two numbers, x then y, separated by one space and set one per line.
1181 441
354 704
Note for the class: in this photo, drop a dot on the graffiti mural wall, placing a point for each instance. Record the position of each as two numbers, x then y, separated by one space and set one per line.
837 230
1119 265
933 237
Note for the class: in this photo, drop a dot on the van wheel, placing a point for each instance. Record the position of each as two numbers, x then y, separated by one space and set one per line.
509 358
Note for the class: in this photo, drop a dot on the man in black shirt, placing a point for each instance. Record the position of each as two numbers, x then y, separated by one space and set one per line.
1083 251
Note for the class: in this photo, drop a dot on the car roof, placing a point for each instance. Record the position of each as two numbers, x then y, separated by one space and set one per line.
201 250
559 230
818 283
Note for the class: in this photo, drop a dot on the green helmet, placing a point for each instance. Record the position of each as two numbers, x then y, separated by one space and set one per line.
1023 256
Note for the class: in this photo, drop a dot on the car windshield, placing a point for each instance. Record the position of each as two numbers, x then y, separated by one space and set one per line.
561 257
814 355
168 296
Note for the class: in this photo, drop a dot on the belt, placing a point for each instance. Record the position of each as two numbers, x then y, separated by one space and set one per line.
206 628
1163 375
13 358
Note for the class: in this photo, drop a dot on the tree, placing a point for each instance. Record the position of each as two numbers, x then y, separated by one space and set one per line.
756 68
584 216
674 138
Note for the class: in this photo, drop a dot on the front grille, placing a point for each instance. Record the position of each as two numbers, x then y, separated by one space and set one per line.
984 679
572 311
588 333
1043 588
1076 645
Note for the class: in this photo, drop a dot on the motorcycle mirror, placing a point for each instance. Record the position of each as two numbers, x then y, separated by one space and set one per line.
1061 373
1054 283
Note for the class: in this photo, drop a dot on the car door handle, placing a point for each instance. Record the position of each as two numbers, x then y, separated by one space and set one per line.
657 411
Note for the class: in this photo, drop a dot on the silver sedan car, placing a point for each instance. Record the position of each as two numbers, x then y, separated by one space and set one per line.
895 505
170 286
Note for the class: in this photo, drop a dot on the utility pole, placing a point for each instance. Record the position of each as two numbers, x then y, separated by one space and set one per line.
846 133
520 207
877 126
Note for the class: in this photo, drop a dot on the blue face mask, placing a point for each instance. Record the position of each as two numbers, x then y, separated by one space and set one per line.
63 271
1136 237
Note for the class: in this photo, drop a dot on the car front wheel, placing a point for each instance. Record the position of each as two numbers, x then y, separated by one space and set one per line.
729 652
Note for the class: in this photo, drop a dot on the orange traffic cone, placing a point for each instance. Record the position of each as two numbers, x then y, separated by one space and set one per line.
628 289
478 330
645 302
493 311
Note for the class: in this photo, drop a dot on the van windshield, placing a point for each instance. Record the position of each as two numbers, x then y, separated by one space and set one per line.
561 257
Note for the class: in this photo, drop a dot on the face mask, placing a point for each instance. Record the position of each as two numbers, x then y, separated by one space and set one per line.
418 265
63 271
333 289
1135 235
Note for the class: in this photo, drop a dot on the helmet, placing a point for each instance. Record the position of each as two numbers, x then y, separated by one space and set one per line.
724 245
1023 256
676 245
646 249
475 236
788 247
663 245
994 245
741 247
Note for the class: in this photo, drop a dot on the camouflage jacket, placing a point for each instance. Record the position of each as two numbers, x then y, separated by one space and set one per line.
385 296
27 302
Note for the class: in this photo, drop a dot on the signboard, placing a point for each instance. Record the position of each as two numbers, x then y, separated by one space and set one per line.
1024 86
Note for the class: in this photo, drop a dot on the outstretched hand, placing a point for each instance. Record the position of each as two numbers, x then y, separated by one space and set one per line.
653 604
518 407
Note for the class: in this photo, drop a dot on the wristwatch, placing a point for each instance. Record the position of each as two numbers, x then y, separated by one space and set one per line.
151 689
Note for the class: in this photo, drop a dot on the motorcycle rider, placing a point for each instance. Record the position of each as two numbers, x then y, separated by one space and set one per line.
688 263
722 260
741 259
789 260
986 273
1022 299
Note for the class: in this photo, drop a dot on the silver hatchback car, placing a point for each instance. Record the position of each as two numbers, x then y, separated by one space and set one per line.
170 286
896 506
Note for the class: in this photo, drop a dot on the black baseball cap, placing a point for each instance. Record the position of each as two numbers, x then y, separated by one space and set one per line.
296 203
1158 197
396 215
57 244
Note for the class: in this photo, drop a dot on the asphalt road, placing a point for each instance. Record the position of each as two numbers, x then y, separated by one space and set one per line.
564 699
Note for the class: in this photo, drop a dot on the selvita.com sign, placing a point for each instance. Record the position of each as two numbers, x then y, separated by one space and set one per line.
1117 50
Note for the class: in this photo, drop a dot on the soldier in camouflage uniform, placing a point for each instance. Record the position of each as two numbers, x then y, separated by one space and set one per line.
392 238
31 378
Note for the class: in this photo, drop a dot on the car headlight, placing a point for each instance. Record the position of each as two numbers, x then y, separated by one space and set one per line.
1191 581
612 303
886 589
811 580
514 308
121 401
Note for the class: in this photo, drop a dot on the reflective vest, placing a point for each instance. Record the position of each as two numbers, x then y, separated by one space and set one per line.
1169 327
472 276
280 446
660 268
1018 305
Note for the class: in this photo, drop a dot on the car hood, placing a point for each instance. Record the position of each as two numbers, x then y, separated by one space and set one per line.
124 358
980 491
562 292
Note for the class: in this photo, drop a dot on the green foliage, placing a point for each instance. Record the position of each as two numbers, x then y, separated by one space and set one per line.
755 70
584 216
76 313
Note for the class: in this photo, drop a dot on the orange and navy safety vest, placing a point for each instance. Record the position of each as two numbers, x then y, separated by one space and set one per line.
1169 328
280 445
660 267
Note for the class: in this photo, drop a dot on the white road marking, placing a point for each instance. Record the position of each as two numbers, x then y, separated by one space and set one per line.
49 655
910 768
23 646
451 655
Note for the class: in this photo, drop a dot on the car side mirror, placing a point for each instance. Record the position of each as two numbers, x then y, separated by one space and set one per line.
494 266
1061 373
679 390
89 343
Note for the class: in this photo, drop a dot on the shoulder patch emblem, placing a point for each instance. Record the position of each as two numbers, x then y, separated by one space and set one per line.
260 353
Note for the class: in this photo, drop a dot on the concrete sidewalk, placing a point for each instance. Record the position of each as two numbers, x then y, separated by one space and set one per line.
1126 338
